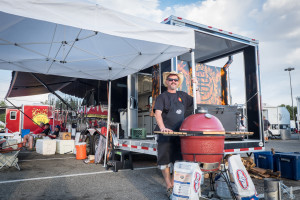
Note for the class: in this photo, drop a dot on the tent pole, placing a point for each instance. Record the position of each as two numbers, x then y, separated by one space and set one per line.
108 121
51 91
194 76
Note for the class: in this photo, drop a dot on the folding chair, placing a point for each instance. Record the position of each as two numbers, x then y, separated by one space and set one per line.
9 156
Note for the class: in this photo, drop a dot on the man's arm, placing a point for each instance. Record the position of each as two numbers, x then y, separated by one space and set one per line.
198 99
160 123
195 82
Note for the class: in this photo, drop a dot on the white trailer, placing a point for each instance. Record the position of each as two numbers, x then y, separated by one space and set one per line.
279 118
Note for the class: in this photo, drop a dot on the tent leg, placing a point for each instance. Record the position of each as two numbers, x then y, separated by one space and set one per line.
108 121
194 76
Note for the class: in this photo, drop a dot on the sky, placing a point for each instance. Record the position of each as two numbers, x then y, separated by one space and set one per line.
275 23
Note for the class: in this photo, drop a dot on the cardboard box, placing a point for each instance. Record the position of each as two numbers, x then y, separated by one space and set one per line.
65 136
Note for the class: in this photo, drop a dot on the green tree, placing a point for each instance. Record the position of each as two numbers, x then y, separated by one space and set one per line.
290 109
3 105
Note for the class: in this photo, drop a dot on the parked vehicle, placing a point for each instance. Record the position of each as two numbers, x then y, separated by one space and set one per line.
279 118
30 116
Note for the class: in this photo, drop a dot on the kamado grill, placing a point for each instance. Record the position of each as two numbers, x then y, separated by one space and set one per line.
204 140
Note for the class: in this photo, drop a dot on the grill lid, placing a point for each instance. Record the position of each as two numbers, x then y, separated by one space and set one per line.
202 122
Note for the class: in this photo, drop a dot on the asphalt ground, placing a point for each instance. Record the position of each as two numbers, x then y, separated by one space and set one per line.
64 177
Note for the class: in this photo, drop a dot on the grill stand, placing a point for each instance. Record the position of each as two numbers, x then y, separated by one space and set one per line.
211 168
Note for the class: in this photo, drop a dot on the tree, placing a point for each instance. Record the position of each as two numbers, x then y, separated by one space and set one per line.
3 105
290 109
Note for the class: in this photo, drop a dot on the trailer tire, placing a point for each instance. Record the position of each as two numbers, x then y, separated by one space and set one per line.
89 140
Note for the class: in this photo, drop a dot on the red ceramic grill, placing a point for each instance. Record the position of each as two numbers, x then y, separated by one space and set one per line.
204 142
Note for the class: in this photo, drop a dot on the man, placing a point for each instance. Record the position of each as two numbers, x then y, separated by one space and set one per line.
45 132
36 131
266 128
169 109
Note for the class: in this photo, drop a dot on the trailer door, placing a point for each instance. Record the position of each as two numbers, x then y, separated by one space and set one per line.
12 120
132 103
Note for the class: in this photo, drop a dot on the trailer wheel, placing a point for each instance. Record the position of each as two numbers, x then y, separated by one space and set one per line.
89 144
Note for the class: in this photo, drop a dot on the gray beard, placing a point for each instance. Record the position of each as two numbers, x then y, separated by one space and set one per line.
173 87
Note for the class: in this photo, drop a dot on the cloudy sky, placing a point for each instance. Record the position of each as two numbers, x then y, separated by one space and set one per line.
275 23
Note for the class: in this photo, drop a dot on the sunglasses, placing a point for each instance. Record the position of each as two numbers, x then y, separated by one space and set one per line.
172 79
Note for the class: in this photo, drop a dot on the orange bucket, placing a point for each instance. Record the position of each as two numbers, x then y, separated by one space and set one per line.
81 151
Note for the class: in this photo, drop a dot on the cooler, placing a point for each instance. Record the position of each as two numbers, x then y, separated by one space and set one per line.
65 146
264 160
45 146
288 164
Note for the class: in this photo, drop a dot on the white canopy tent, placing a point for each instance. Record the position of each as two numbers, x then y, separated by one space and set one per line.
82 39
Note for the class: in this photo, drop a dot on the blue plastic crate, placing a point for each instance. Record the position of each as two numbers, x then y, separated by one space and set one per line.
288 164
264 160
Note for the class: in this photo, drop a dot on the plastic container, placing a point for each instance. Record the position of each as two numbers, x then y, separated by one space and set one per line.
45 146
138 133
264 160
288 164
81 151
65 146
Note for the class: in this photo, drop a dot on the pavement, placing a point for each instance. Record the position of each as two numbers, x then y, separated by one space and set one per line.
64 177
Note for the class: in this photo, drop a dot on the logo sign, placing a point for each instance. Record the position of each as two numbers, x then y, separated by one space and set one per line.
197 182
178 111
40 115
242 179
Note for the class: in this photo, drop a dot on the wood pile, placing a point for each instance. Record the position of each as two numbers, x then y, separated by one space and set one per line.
256 172
260 173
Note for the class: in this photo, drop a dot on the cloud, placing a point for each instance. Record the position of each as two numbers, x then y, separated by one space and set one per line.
273 22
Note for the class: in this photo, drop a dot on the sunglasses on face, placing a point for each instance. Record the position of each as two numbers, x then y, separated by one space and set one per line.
173 79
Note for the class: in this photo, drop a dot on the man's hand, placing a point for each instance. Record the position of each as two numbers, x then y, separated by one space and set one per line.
195 81
166 130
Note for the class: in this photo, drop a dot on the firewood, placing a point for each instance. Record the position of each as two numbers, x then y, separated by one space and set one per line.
259 170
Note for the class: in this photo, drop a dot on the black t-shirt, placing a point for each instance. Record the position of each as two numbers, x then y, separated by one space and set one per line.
55 133
266 124
163 101
46 131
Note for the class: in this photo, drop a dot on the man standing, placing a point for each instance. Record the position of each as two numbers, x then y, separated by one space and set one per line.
266 128
169 109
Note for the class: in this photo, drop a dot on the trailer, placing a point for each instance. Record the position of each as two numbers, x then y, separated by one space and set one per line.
30 116
211 44
279 118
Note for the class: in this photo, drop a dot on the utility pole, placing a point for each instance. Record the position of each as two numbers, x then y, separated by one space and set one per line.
289 70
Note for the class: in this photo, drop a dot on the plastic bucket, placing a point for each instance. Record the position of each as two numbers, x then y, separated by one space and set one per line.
203 149
81 151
